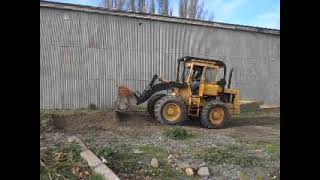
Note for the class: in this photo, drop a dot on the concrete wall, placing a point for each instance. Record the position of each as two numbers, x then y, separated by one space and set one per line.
85 54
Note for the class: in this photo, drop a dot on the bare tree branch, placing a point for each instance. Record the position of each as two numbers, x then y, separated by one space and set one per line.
163 7
152 8
120 4
107 3
142 6
193 9
171 11
132 5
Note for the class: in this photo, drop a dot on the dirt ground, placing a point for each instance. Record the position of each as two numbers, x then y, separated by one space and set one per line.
249 143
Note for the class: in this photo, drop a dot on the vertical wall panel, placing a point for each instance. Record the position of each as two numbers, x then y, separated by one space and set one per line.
83 56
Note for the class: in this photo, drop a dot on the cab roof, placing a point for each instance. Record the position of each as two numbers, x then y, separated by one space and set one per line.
205 60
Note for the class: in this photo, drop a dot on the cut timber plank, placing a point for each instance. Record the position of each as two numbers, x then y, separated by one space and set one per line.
268 108
249 105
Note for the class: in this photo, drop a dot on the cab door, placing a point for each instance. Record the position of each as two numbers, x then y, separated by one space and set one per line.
208 86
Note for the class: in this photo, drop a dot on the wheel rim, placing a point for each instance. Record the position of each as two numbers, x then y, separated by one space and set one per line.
171 111
216 115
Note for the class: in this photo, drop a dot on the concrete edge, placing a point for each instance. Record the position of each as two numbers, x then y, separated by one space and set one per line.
94 162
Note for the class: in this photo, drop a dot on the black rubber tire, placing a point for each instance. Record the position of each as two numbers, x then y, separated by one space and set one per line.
152 101
206 112
158 108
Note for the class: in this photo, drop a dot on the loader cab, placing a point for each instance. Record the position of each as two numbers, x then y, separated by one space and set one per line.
213 71
204 77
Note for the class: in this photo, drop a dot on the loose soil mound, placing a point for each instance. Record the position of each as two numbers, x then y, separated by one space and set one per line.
77 121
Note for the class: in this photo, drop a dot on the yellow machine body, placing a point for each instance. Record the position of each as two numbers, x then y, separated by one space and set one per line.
207 89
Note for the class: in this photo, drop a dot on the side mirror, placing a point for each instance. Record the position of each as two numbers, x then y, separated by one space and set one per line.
230 76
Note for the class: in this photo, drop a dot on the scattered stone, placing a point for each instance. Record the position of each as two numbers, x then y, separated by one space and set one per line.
189 171
137 151
183 164
203 164
73 139
170 157
154 163
203 171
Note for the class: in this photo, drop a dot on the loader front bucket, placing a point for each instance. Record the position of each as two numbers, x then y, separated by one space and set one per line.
125 102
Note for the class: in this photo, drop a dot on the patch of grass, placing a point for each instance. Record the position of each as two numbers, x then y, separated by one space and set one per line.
63 162
229 155
243 176
259 177
177 133
154 151
165 171
271 148
256 114
122 160
96 177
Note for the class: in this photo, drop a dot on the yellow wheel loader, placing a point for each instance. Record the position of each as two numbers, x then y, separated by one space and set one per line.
199 91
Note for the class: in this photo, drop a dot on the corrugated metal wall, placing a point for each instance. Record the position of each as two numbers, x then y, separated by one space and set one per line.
83 56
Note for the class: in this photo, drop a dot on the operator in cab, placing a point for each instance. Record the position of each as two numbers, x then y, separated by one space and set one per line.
196 77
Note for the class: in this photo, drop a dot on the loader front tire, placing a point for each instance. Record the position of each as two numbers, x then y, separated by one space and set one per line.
170 110
151 103
214 115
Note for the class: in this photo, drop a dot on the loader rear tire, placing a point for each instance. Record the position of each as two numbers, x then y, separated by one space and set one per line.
170 110
151 103
214 115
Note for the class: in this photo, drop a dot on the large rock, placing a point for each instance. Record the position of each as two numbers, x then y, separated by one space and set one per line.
203 171
189 171
154 163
